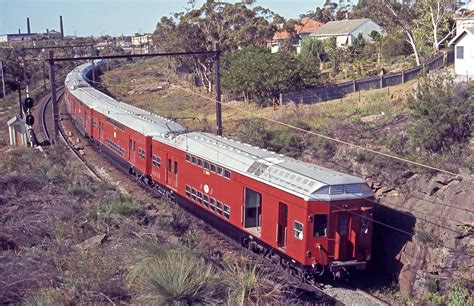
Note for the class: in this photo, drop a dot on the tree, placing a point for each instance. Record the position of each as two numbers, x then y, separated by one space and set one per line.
231 25
262 76
312 49
442 113
434 20
394 16
330 11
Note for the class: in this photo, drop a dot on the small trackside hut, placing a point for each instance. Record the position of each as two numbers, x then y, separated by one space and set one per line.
308 218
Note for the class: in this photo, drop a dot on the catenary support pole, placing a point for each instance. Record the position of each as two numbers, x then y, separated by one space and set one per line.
52 78
3 79
19 99
218 90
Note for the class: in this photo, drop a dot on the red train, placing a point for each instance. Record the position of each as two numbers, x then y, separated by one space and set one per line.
308 218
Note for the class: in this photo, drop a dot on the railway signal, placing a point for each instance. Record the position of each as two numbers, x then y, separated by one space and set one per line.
27 104
30 120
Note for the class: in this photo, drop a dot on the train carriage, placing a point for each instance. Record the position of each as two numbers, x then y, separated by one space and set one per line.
307 217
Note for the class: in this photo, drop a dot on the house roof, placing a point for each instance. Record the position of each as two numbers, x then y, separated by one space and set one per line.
464 32
305 26
340 27
465 11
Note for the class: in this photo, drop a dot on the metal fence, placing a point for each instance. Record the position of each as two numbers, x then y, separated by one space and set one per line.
339 90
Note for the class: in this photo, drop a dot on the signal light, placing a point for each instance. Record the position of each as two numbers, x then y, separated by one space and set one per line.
30 120
28 103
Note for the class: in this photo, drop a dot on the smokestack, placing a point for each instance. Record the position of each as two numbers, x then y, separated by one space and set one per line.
19 31
28 25
61 26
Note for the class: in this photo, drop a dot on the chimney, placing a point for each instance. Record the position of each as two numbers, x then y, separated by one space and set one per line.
61 26
28 25
19 31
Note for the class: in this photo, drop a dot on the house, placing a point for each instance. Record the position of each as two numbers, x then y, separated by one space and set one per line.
141 44
464 53
303 29
464 17
17 37
347 30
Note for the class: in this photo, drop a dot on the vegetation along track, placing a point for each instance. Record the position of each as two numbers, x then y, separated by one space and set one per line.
313 293
46 129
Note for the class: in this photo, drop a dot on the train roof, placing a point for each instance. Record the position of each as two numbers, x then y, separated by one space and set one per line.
304 180
135 118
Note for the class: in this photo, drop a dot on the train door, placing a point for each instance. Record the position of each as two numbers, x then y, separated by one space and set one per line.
131 150
171 172
252 210
101 130
282 225
344 230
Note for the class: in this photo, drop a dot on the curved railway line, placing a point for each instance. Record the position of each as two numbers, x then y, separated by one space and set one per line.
312 293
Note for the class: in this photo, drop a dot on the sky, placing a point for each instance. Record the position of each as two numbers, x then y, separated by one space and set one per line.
112 17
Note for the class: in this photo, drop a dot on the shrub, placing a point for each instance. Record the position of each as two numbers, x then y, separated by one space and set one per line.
252 131
442 113
164 276
248 284
120 205
459 294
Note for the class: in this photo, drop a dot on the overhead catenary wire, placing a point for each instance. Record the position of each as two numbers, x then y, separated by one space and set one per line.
425 200
322 181
328 137
371 219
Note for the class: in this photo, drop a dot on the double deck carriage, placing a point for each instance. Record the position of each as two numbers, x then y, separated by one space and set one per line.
305 216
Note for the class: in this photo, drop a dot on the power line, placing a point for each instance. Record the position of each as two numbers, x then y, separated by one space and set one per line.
425 200
328 137
321 181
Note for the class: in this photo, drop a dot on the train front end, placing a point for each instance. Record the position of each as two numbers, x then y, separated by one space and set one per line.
341 237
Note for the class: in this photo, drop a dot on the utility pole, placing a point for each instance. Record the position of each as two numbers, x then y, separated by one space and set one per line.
218 89
3 79
19 98
52 79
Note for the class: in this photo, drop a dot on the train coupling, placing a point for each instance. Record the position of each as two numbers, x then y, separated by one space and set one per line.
339 268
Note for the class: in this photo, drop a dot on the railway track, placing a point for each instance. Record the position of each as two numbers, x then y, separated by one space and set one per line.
308 293
46 129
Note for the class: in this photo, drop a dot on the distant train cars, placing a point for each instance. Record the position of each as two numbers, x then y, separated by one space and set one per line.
308 218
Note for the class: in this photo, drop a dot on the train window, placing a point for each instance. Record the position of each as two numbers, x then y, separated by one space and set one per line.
188 157
141 152
169 164
219 208
206 165
175 167
193 194
219 170
206 200
188 191
213 204
199 162
151 151
226 211
199 197
298 230
320 225
193 159
226 173
213 168
156 161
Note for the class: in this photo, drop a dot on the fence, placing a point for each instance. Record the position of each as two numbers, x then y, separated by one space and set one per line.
339 90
